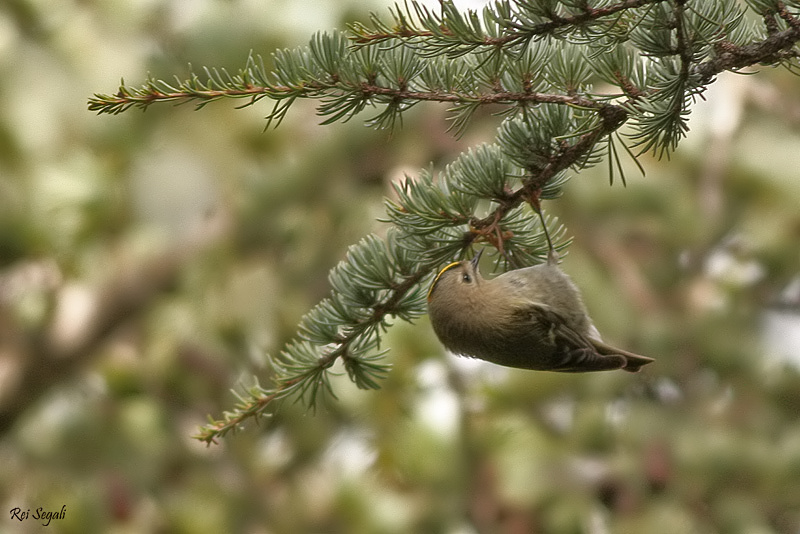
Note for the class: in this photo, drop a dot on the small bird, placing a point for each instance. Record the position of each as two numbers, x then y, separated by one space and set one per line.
530 318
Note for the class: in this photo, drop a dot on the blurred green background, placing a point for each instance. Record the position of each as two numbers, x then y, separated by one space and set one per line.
149 261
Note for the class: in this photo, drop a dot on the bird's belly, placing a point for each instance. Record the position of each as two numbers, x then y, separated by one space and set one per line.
528 352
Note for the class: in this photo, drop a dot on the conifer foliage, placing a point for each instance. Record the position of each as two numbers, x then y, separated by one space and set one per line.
564 76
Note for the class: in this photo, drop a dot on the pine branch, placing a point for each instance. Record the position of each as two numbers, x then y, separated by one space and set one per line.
537 60
308 381
332 89
682 45
777 47
516 28
434 222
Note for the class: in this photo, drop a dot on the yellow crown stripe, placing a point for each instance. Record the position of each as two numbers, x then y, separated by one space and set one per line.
436 280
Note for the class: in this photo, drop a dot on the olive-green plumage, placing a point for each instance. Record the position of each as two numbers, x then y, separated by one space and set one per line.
531 318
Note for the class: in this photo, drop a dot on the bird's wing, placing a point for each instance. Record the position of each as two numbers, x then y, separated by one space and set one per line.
572 351
555 326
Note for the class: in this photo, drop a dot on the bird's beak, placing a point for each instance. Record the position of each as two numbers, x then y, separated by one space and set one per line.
474 261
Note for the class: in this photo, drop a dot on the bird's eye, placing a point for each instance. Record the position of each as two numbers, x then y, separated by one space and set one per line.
466 278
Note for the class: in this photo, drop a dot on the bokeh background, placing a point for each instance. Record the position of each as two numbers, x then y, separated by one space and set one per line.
149 262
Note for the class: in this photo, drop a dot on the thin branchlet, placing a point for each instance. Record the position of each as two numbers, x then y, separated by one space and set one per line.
260 400
513 31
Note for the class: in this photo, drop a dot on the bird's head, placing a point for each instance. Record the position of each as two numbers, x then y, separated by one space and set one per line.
457 280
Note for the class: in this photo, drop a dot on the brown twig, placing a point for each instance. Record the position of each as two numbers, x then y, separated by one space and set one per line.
774 48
